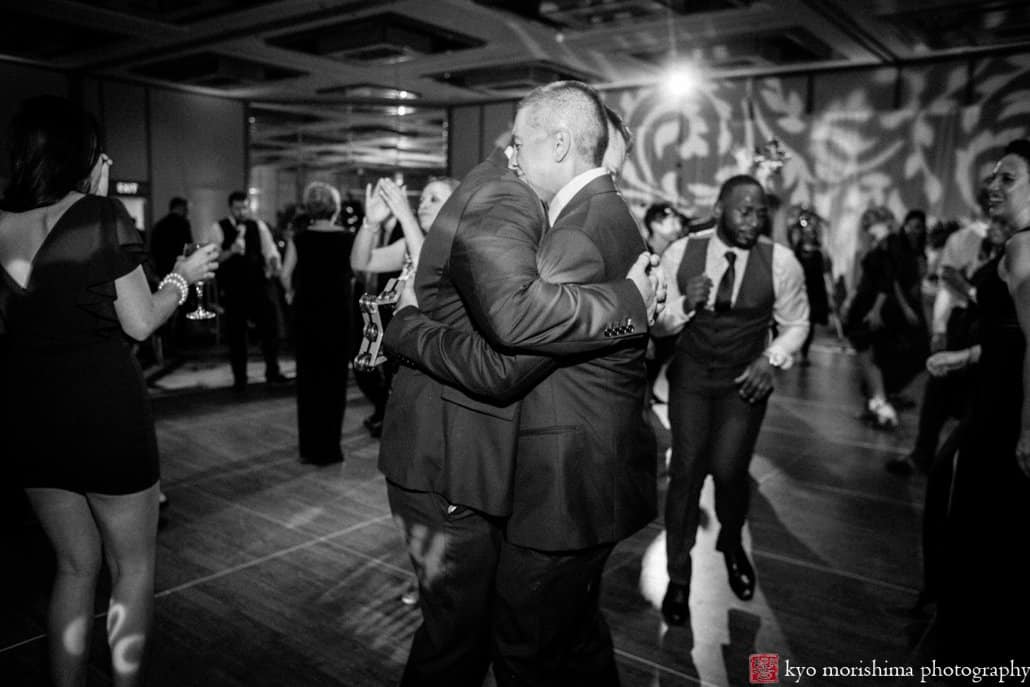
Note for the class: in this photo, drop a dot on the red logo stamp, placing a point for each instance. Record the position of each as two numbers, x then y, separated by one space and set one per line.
765 669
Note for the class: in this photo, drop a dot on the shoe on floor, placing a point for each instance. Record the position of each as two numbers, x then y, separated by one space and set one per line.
740 573
410 595
676 604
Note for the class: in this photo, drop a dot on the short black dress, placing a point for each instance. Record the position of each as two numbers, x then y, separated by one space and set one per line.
74 410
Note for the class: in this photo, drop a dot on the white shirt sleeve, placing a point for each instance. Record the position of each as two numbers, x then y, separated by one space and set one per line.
673 317
215 235
268 249
790 310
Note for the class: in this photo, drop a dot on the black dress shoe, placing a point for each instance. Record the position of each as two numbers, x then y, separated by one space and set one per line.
676 604
740 573
277 379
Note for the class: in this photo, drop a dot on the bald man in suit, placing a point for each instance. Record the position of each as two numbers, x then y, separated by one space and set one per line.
582 476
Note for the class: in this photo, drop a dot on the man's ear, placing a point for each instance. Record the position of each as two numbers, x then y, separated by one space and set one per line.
562 144
717 210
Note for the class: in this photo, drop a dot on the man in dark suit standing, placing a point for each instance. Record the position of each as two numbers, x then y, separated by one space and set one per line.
582 475
169 236
721 373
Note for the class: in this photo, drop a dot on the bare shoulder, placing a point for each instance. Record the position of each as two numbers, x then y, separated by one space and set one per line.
1017 259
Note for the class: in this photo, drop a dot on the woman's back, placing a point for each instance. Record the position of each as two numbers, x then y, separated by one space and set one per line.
63 294
322 278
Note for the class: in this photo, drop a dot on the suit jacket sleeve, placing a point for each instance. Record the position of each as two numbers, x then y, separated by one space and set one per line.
463 359
494 267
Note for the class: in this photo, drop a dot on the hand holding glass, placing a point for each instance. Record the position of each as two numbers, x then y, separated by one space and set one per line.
200 312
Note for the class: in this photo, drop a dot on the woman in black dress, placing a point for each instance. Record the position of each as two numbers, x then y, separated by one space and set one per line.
317 276
804 236
78 431
984 601
884 320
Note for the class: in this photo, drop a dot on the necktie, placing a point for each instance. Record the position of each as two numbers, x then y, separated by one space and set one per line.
724 295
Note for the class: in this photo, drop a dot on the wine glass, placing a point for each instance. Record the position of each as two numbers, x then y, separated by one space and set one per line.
200 312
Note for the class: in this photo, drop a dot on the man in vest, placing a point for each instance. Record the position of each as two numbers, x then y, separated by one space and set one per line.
721 374
248 257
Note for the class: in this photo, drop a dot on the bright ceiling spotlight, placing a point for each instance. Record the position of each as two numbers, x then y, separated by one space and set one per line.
681 80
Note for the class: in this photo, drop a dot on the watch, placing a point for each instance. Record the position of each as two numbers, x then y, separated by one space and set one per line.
778 358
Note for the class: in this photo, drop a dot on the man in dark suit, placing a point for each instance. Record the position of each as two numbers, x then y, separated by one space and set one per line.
169 236
584 475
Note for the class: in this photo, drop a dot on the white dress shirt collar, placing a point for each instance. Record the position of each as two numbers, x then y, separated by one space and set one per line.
569 191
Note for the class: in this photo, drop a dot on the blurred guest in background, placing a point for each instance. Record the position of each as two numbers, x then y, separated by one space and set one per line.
169 236
78 431
248 257
884 317
386 255
663 225
317 280
804 234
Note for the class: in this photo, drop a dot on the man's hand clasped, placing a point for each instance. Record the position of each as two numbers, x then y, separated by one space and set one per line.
756 382
650 282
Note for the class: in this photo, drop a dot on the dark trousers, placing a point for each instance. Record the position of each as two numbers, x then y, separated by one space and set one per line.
454 551
244 304
548 627
535 614
714 431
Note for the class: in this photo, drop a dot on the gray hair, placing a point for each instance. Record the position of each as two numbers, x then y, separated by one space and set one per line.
321 201
575 105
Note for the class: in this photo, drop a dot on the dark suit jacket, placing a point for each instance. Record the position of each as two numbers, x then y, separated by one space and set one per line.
585 469
479 260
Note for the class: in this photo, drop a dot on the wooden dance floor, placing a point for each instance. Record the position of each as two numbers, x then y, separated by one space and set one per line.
273 573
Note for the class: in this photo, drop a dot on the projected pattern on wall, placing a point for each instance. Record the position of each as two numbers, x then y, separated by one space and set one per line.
920 137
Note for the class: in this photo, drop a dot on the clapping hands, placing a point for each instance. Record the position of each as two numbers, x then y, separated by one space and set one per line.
376 209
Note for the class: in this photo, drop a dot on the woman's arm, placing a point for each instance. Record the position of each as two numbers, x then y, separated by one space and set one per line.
376 213
141 312
1017 262
289 264
397 201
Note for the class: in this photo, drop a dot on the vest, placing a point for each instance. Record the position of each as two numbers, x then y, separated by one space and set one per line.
727 342
239 270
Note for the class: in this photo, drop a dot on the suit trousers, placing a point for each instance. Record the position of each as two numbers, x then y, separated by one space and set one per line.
250 303
548 627
454 551
714 431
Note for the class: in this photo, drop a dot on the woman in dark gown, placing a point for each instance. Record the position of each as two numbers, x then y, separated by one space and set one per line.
984 601
77 430
317 273
804 240
884 321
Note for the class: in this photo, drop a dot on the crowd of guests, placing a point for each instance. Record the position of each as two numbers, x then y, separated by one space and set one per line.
715 302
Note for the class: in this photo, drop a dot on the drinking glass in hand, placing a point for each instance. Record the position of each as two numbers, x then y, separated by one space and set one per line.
200 312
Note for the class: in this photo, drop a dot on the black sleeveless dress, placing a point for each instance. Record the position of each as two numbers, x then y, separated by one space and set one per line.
985 602
74 411
321 309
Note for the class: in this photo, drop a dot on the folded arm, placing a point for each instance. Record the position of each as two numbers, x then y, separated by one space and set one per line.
494 267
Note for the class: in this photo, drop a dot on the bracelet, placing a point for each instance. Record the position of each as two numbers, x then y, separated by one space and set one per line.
179 282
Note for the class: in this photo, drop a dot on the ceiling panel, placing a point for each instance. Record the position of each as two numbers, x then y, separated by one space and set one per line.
360 76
